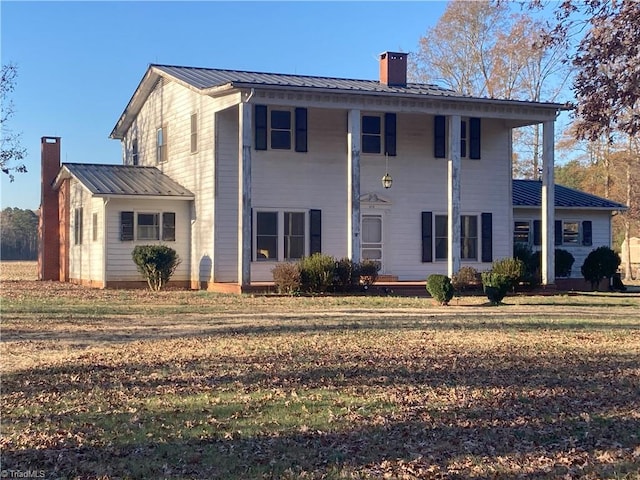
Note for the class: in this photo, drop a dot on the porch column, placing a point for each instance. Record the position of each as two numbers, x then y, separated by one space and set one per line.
244 194
353 186
548 205
453 197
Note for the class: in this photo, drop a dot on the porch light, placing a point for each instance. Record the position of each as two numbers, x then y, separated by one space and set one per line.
386 178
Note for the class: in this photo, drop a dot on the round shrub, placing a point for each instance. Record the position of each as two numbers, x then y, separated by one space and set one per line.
563 262
495 286
600 263
512 268
440 288
156 263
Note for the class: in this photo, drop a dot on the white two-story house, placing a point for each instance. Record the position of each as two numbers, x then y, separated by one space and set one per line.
238 171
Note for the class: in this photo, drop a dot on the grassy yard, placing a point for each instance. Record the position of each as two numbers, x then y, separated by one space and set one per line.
176 384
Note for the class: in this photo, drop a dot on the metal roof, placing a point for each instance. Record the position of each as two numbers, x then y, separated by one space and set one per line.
528 193
204 78
126 180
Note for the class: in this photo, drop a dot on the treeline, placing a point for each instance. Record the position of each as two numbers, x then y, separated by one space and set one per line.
19 239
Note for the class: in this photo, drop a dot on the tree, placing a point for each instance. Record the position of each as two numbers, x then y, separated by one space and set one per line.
12 152
482 49
19 240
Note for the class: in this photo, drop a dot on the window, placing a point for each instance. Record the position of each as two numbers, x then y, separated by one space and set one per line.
134 152
94 226
274 128
161 145
148 226
371 134
266 236
293 235
285 236
570 233
470 130
77 226
281 129
194 133
441 237
522 232
469 237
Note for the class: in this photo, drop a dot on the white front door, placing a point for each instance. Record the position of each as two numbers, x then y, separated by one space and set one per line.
372 239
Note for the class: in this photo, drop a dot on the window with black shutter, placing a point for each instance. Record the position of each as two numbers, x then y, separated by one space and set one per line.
371 134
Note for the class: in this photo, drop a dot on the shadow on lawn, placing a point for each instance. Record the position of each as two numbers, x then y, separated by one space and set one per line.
541 449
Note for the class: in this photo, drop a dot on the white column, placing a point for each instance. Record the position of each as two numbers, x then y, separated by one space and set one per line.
353 186
244 194
453 196
548 205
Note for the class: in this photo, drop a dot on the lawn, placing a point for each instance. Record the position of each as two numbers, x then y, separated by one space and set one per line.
176 384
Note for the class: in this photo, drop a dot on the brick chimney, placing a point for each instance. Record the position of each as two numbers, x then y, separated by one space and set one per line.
49 224
393 69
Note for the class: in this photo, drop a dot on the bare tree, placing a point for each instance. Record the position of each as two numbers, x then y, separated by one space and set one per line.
12 153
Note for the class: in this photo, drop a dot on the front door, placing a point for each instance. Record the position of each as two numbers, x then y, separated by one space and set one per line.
372 239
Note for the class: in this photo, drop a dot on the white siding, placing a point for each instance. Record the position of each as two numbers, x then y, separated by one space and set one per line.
120 265
600 225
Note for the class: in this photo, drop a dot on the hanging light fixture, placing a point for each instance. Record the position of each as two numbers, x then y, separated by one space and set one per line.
386 179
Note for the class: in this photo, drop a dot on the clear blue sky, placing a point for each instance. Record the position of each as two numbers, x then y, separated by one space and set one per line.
80 62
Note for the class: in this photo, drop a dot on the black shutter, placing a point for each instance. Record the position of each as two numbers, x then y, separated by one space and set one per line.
315 231
474 138
439 136
390 134
587 235
558 232
126 226
169 226
537 232
260 117
301 129
487 237
463 139
427 237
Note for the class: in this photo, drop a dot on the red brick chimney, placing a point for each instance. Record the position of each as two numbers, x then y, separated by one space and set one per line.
49 224
393 69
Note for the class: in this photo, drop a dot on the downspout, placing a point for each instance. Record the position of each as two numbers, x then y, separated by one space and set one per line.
105 243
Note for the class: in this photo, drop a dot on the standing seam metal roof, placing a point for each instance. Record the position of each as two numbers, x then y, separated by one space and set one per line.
204 78
125 180
528 193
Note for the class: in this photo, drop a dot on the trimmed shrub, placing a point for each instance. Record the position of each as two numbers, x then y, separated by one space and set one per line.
346 276
368 272
512 268
563 262
156 263
495 286
467 278
440 288
286 277
317 272
600 263
531 262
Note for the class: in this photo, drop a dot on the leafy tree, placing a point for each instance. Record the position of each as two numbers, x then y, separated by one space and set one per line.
12 153
19 240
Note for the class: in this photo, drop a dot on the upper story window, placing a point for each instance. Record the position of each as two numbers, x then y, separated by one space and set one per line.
161 144
379 134
371 134
280 128
194 133
470 129
134 152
